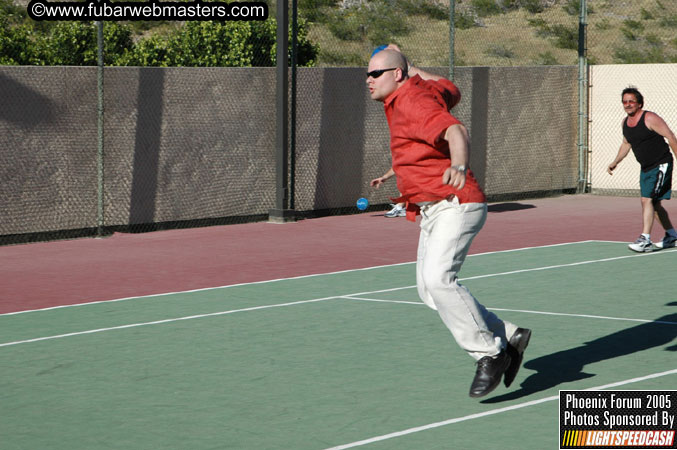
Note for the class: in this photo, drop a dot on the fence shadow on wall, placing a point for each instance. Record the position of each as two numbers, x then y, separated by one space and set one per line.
147 143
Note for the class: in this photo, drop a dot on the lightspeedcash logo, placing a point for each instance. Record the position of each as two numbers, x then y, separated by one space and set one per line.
618 419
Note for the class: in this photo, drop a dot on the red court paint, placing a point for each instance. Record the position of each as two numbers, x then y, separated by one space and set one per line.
50 274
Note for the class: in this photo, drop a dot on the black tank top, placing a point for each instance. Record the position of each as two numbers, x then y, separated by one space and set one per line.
649 147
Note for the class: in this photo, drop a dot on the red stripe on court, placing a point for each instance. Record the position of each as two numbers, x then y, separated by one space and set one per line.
49 274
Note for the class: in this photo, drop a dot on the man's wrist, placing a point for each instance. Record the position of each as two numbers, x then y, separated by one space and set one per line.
460 168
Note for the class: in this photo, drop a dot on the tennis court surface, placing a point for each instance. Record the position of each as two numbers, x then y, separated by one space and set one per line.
343 359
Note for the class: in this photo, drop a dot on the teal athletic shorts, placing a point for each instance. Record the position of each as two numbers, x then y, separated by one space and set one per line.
657 182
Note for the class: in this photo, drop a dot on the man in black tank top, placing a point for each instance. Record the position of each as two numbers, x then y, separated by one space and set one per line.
646 133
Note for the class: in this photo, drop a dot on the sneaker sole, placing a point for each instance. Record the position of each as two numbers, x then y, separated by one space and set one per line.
643 250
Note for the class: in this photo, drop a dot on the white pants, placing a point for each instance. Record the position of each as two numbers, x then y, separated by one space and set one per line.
447 230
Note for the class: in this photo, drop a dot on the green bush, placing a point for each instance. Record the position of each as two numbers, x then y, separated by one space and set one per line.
426 8
70 44
508 5
500 51
263 42
572 7
464 20
542 27
343 58
653 40
533 6
651 50
485 8
377 21
210 44
646 15
16 45
118 42
633 25
669 21
149 52
75 44
139 27
546 59
384 23
219 44
632 29
348 24
11 13
565 37
193 43
639 55
316 10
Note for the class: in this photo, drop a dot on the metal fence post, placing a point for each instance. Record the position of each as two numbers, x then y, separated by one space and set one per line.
281 212
452 30
582 98
292 128
100 144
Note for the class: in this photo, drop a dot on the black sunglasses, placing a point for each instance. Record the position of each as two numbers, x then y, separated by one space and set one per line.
379 72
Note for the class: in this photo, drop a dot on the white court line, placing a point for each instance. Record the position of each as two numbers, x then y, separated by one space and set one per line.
178 319
280 279
557 266
525 311
220 313
580 263
157 322
378 300
587 316
491 413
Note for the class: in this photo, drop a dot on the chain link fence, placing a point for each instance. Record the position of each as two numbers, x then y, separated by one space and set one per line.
196 145
342 33
182 148
495 32
484 32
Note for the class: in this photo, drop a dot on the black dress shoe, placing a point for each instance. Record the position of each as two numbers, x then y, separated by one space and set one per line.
516 346
489 373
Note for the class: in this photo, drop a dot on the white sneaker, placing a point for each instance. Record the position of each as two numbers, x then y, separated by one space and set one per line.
397 211
667 242
641 245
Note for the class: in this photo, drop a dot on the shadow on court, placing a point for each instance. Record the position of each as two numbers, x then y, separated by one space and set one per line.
503 207
567 366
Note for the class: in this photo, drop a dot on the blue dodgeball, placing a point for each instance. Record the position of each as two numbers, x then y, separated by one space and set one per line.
362 204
